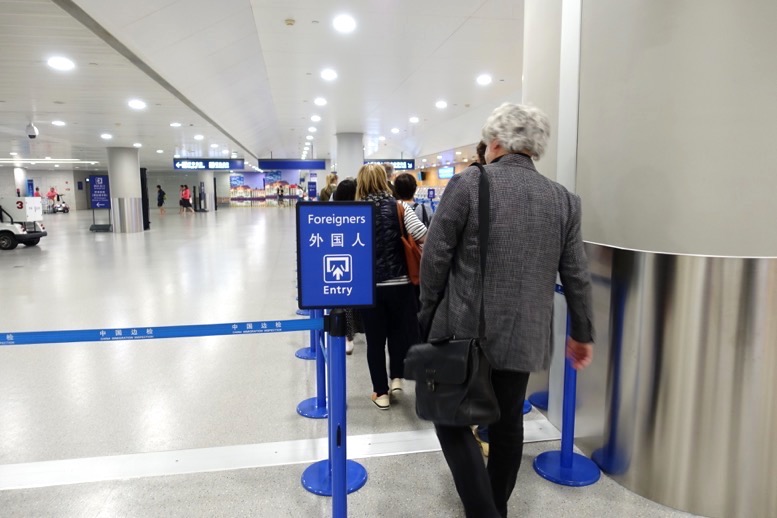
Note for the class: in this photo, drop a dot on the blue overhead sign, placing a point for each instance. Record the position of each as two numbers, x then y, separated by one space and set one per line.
335 255
99 192
399 164
282 164
208 164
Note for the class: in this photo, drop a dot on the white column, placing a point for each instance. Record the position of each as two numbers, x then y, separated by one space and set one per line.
124 177
350 154
205 180
551 81
20 180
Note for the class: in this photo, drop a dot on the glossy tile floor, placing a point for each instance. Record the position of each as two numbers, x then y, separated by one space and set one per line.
90 400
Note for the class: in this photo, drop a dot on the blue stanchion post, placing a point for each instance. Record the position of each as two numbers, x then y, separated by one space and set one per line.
526 407
539 399
565 467
316 407
336 476
309 353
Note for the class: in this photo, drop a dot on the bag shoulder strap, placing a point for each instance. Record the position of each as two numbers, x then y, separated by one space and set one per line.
401 215
484 232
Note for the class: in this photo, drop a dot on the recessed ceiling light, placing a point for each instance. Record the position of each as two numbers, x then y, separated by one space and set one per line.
106 136
423 160
58 123
56 165
381 138
439 157
458 152
224 151
13 153
344 23
214 146
319 101
175 124
441 105
176 156
328 74
309 137
136 104
312 129
198 137
61 63
315 118
47 158
394 130
160 151
484 79
414 120
137 144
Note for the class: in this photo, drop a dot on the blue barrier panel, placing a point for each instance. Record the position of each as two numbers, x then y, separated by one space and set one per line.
566 467
526 407
309 353
108 334
336 476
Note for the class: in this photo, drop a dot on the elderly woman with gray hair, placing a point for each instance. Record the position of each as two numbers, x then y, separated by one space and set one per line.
534 234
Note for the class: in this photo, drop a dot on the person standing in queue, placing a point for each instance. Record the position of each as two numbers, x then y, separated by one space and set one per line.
534 233
393 318
181 205
331 185
405 187
346 191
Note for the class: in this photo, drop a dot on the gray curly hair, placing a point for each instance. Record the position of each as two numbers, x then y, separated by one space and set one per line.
518 128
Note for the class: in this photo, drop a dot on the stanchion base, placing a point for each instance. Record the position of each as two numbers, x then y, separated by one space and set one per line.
526 407
303 312
318 480
539 399
305 354
583 472
309 408
611 463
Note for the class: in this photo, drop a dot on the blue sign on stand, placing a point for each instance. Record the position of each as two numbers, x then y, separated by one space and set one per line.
335 255
100 192
430 194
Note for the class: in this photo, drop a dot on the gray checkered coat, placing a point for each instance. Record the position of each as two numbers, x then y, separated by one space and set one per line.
535 232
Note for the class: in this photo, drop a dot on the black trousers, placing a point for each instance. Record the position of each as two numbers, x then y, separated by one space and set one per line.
394 319
484 491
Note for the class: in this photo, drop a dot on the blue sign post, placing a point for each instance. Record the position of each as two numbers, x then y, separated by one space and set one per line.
100 198
335 268
99 192
335 255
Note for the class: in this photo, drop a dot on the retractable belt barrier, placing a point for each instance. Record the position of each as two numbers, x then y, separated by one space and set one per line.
334 476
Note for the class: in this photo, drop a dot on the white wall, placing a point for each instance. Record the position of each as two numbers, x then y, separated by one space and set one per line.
678 118
63 181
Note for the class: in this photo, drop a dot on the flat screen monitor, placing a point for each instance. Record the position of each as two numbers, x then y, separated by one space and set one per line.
445 173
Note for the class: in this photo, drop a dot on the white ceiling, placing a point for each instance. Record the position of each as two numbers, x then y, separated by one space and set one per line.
233 71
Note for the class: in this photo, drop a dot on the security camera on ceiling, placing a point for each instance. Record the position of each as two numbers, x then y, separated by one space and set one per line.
32 131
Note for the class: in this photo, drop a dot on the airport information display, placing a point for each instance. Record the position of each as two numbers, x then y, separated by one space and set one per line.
208 164
399 164
99 192
335 255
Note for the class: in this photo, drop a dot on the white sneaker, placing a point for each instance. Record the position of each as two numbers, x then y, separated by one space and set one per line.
348 346
383 402
396 386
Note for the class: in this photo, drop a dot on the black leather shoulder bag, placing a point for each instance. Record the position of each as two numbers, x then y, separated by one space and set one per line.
452 375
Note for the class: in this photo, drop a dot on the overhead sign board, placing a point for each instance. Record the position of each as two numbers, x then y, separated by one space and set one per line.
399 164
290 164
335 255
99 192
208 164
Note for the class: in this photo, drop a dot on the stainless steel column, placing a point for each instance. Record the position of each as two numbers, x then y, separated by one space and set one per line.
689 414
126 203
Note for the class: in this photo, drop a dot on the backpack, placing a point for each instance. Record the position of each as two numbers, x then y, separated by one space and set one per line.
424 215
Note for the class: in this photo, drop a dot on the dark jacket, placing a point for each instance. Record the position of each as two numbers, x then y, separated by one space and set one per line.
535 233
389 253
